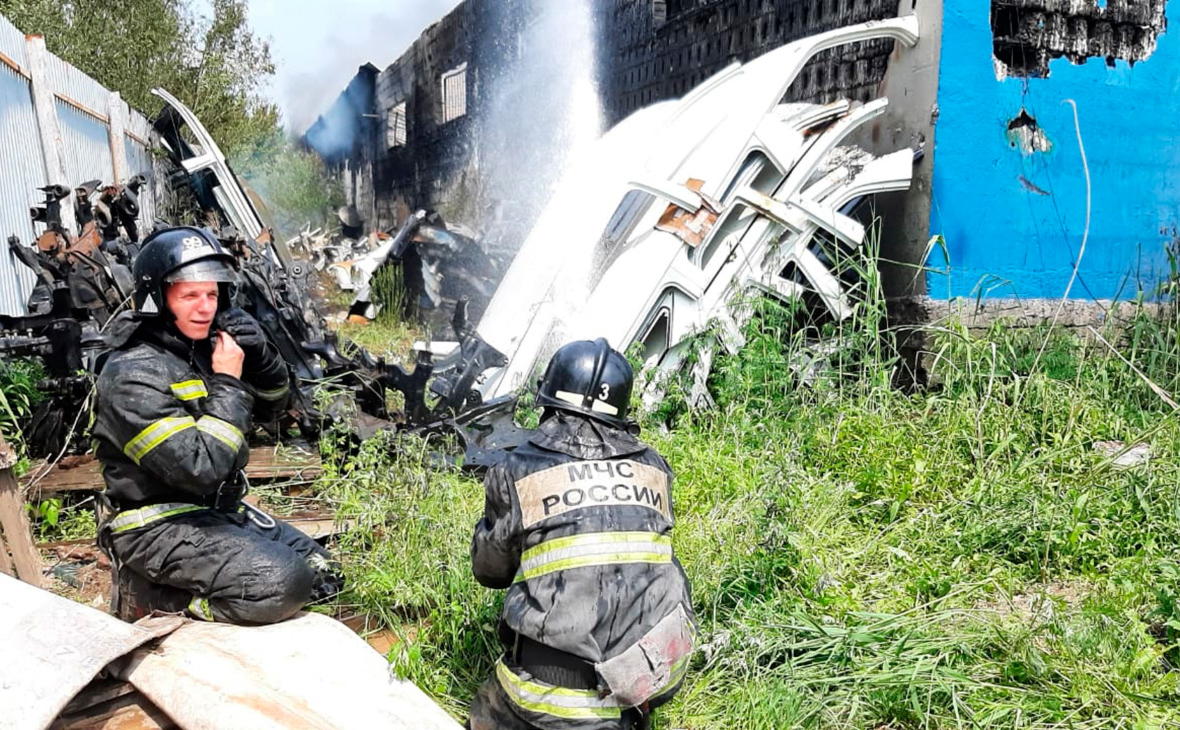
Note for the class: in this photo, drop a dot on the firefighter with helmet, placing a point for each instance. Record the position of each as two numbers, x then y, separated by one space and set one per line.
177 395
597 625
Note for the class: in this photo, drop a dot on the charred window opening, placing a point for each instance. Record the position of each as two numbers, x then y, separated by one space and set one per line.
395 126
1028 34
454 93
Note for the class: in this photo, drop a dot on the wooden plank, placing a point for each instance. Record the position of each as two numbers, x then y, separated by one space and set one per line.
85 476
95 693
18 534
14 521
264 465
5 561
129 712
318 527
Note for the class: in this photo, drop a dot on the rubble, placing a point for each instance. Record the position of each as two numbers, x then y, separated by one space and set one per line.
676 218
84 281
441 264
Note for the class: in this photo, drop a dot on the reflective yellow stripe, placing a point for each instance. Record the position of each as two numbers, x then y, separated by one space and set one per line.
598 548
144 516
679 669
150 437
547 699
275 394
223 431
190 390
199 607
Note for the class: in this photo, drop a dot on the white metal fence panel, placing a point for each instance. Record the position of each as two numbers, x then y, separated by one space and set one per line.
12 43
83 91
83 109
22 170
87 144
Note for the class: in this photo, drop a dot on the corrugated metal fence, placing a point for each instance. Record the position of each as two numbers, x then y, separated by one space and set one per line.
84 109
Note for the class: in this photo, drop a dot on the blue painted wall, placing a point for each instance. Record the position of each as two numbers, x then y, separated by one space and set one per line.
1012 221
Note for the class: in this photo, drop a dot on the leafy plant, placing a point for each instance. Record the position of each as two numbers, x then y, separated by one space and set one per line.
19 396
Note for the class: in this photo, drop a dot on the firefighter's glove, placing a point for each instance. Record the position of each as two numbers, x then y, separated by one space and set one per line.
250 336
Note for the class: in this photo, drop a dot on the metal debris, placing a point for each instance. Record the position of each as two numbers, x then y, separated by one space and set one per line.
686 210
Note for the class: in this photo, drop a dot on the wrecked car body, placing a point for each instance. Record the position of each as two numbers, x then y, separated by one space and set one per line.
688 206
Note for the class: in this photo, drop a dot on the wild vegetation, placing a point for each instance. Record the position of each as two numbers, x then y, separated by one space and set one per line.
971 554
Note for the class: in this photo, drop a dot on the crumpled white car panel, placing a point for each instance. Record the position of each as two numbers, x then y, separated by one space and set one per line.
776 174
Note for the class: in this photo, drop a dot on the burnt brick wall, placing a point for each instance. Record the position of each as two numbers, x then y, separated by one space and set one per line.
660 49
415 174
1027 34
649 50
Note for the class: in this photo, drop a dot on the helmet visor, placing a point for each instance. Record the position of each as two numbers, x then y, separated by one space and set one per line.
206 270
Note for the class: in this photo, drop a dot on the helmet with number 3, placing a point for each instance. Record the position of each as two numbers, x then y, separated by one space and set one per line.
588 378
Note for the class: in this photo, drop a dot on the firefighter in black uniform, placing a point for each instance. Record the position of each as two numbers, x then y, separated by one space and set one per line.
598 625
176 398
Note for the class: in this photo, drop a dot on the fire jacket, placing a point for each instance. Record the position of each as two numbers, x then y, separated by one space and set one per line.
167 428
577 526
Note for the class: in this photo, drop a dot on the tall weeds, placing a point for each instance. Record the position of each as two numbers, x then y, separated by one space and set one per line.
971 555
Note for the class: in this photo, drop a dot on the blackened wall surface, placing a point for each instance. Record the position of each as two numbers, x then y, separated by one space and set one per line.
660 49
340 131
1027 34
649 50
415 174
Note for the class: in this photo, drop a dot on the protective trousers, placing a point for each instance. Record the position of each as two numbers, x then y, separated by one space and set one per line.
241 567
535 705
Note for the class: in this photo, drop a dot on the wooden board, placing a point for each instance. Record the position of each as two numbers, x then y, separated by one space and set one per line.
16 536
130 711
265 466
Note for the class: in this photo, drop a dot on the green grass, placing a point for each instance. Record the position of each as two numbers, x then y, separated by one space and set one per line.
962 556
19 397
860 557
385 337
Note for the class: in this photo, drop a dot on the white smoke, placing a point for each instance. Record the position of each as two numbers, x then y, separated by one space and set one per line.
318 46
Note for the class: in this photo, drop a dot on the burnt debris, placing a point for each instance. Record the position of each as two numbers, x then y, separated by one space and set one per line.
1028 34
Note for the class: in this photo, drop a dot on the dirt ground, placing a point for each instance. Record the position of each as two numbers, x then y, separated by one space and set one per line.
79 572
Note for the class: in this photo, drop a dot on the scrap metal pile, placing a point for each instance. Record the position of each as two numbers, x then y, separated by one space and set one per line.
689 208
441 264
681 212
84 280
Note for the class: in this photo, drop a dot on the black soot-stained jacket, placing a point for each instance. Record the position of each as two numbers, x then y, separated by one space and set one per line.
578 527
167 428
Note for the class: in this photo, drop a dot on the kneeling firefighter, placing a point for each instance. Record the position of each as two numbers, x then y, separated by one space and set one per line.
174 407
598 625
